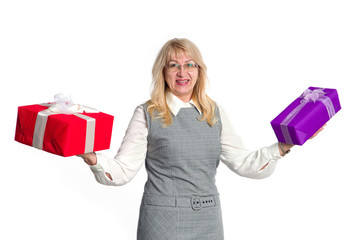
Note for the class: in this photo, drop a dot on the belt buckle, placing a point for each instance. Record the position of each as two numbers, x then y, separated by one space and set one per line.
196 203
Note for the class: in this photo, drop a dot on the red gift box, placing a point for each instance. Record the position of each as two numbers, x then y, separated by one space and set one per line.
63 134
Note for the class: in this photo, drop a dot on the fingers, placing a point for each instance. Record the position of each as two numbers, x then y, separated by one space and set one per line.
87 161
109 176
89 158
318 131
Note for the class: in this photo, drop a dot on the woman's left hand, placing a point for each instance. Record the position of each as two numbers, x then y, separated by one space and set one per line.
285 146
318 131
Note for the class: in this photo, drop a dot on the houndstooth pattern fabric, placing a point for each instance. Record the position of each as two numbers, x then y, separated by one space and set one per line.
172 223
157 223
181 161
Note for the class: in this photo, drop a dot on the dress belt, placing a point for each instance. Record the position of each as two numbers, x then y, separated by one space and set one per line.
194 202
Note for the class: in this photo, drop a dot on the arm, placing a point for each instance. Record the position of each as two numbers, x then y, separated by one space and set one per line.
252 164
129 158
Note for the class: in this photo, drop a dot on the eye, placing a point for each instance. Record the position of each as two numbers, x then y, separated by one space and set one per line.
173 65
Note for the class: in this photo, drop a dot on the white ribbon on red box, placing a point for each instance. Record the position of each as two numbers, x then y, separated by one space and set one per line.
64 105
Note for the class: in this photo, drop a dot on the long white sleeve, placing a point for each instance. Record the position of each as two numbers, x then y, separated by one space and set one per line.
130 156
242 161
132 152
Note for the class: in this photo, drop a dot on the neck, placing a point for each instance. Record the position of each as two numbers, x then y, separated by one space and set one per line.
184 98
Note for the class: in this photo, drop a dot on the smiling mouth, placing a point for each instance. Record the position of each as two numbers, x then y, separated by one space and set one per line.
182 82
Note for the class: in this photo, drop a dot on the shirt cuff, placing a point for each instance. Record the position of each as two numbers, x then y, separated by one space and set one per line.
99 169
274 152
96 168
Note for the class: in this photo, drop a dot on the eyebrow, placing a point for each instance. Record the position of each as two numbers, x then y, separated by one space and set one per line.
190 60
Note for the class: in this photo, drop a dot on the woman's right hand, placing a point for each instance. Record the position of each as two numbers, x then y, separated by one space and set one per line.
89 158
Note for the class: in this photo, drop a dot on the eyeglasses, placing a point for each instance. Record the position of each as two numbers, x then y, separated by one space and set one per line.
189 67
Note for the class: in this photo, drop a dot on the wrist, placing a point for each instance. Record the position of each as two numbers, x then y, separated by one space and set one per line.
284 148
90 158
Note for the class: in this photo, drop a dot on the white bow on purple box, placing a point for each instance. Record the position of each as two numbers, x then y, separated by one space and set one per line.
307 114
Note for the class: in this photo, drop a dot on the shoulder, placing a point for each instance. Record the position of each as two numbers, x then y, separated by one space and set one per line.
141 110
219 108
143 107
144 104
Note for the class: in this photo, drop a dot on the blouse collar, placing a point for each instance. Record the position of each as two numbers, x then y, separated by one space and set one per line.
175 104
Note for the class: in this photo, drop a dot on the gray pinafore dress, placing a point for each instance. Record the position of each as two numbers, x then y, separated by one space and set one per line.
180 200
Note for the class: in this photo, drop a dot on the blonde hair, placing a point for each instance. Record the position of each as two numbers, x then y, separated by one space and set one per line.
157 102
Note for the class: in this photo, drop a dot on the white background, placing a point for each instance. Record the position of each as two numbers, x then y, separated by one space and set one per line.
260 54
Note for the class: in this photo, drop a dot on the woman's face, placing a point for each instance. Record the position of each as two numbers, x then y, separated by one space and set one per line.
181 75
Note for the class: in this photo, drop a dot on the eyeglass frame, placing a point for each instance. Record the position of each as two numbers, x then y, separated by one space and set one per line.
182 66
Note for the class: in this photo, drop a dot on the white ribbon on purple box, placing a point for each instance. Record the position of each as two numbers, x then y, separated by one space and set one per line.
307 96
64 105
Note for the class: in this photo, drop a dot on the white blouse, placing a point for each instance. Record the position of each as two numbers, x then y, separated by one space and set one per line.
132 152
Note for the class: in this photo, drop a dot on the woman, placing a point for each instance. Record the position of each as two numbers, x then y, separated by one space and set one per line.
181 134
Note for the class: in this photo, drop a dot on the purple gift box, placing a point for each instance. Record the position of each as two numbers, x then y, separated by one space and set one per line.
306 115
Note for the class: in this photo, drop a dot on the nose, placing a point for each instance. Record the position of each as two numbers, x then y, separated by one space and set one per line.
181 71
